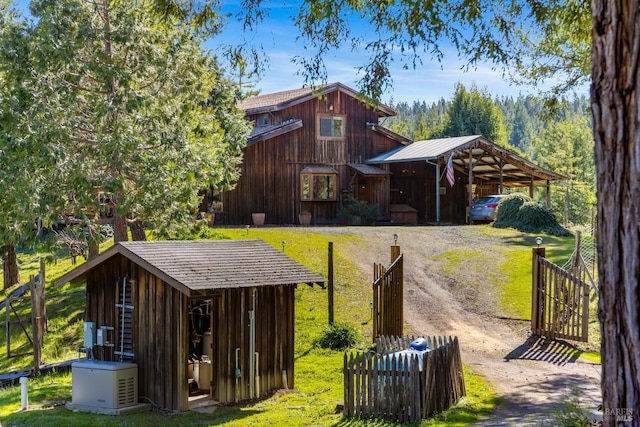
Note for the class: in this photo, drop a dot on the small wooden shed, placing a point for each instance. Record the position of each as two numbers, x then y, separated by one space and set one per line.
221 311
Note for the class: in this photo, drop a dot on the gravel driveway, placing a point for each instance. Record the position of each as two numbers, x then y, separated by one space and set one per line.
534 377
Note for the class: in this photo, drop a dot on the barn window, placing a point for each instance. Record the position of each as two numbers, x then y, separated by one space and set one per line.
263 120
331 126
318 183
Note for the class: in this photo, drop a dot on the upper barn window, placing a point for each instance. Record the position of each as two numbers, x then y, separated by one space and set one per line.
263 120
331 126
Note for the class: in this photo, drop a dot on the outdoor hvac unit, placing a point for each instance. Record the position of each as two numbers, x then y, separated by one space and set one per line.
102 384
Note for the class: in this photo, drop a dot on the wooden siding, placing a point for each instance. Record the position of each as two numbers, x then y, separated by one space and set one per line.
413 184
274 341
161 333
270 173
159 329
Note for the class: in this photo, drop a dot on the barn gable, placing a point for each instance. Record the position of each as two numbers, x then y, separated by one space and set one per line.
326 128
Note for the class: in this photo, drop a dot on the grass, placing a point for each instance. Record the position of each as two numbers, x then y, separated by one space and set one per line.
319 388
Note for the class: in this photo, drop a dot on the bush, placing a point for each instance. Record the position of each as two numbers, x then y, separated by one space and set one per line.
358 208
520 212
338 336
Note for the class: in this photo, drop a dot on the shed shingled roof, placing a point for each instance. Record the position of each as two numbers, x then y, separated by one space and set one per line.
204 265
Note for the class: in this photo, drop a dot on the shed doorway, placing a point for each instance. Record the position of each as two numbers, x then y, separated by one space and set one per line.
200 366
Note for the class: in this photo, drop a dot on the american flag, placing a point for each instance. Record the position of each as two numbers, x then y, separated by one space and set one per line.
450 174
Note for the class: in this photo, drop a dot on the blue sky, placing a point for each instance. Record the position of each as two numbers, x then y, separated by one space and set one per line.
427 82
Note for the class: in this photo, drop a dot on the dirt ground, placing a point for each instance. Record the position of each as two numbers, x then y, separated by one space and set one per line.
535 378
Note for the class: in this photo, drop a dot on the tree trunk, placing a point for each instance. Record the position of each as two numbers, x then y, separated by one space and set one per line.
615 99
120 231
10 266
94 241
137 230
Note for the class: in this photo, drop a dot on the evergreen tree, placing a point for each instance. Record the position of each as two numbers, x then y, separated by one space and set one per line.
473 112
567 148
127 99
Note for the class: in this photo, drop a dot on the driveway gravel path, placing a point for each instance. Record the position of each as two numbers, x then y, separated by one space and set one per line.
535 378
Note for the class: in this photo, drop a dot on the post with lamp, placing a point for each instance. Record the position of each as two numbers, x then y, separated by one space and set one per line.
330 283
395 249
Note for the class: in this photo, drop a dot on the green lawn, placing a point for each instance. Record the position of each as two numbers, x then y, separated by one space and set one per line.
318 392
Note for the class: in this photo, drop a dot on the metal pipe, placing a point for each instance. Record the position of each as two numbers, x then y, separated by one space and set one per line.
24 393
252 343
257 374
237 375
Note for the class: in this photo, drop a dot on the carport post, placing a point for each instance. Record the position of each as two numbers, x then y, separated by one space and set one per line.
470 186
437 192
437 180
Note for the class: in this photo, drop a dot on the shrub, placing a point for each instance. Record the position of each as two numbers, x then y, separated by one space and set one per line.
509 210
338 336
358 208
520 212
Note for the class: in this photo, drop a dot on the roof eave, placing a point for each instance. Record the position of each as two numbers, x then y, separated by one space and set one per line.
383 110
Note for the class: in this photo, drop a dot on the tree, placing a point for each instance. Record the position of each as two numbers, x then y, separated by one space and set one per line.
474 113
615 99
24 195
141 114
567 148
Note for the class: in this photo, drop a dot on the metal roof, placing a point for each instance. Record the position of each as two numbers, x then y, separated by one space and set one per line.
199 266
368 170
488 161
262 133
429 149
319 169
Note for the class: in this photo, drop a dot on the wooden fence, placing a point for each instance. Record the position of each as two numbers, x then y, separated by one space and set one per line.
560 301
398 387
14 304
388 285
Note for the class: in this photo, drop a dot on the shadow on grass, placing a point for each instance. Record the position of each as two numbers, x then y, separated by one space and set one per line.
462 414
60 416
557 352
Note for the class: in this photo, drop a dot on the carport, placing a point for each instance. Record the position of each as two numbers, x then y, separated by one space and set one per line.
475 160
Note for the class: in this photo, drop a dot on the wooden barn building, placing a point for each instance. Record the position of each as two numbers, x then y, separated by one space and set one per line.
312 150
204 317
307 152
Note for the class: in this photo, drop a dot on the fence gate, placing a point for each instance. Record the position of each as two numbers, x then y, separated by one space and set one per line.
560 301
33 314
388 317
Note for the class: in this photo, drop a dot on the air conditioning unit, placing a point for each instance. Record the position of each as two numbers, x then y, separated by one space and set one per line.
100 384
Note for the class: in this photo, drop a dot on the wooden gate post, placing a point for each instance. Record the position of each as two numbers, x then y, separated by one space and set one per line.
330 283
395 252
38 315
535 291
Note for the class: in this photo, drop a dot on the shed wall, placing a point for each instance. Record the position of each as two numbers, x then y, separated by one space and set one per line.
159 329
275 320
